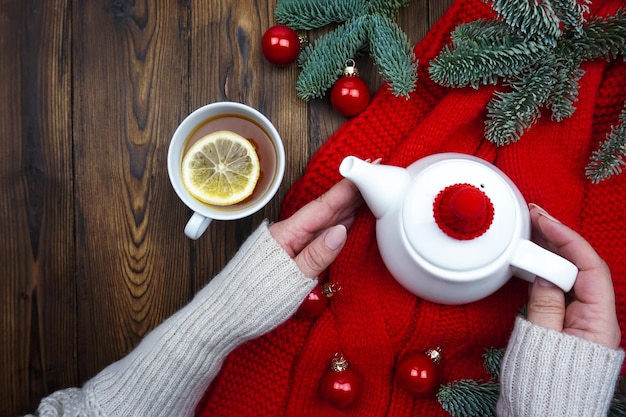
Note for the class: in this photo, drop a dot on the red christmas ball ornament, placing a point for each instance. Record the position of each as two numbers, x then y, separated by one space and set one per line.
315 303
340 385
350 95
280 45
419 374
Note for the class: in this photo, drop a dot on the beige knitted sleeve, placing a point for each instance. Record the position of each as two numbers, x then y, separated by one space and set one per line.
168 372
548 373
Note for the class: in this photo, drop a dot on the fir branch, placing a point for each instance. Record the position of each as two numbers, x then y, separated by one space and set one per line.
618 406
387 8
535 19
608 160
603 38
572 14
323 64
565 91
480 31
312 14
393 54
468 398
484 60
510 114
492 360
523 311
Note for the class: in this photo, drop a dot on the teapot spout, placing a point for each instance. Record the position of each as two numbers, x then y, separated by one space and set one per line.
382 186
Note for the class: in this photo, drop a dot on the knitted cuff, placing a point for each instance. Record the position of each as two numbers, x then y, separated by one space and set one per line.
548 373
167 373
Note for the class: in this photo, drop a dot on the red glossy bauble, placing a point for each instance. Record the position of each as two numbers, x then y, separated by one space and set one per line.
418 374
314 304
350 95
280 45
340 385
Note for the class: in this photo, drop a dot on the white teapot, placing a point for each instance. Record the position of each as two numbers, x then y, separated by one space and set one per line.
452 228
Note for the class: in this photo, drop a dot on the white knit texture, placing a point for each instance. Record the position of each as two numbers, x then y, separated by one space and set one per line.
166 375
548 373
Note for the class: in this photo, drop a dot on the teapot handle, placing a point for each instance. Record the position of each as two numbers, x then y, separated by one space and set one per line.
530 260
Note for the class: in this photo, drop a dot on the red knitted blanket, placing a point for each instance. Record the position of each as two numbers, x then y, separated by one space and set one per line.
373 320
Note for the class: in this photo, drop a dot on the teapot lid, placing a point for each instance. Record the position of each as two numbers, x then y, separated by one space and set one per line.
461 213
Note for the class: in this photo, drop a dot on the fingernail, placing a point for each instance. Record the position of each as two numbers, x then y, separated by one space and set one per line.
335 237
542 282
542 212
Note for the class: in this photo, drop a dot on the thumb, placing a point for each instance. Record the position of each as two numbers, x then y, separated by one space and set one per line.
546 305
322 251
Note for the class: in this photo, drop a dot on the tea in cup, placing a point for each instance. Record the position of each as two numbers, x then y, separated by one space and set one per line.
227 120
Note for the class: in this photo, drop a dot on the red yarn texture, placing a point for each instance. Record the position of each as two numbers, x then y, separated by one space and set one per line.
373 321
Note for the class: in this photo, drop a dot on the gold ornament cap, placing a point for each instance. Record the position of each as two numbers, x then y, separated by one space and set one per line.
339 363
350 70
434 354
330 289
303 38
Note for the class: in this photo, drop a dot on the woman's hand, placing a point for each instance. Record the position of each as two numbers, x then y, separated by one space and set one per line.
315 234
590 311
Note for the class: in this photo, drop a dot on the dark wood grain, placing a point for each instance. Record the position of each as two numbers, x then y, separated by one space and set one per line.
92 244
38 300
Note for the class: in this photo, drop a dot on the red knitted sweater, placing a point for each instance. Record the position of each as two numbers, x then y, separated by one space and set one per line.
373 320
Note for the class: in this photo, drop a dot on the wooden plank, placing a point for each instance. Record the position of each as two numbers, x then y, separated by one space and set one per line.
227 65
130 92
37 298
92 241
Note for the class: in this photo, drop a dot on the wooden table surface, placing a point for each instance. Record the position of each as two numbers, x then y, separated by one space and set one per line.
93 252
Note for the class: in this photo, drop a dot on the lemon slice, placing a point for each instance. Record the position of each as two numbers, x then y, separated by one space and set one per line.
221 168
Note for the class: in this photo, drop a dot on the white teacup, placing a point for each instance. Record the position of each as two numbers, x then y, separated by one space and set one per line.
250 124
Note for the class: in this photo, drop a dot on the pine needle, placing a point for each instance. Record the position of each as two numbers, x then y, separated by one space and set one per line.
510 114
483 59
534 19
468 398
608 160
392 53
323 64
492 360
603 38
311 14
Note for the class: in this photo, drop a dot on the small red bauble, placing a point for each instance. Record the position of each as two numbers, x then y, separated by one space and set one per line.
419 374
280 45
340 385
315 303
350 95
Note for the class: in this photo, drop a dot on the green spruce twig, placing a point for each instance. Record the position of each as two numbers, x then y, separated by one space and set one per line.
571 14
312 14
535 50
385 37
468 398
492 360
534 19
601 38
323 63
565 88
483 53
609 158
387 8
618 406
361 26
510 114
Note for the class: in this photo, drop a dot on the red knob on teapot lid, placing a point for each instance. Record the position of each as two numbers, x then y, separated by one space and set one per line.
463 211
